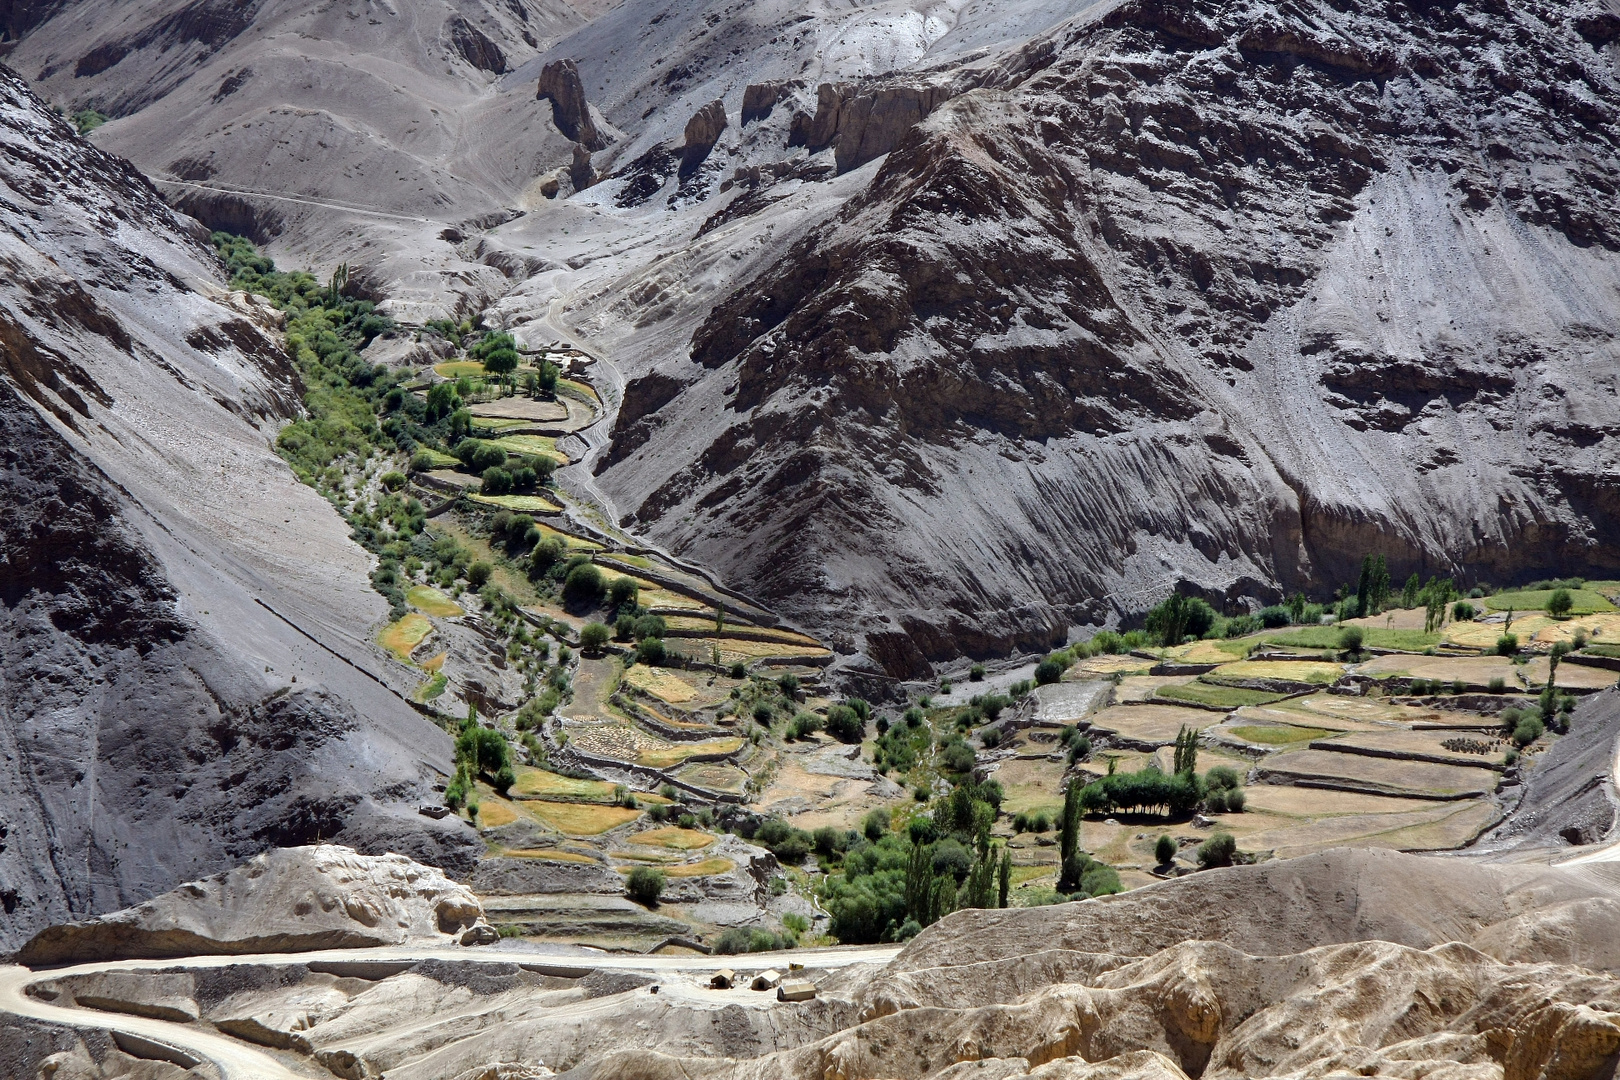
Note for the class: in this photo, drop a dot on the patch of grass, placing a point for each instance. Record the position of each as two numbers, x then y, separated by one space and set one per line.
1327 637
496 423
438 459
435 663
673 837
1586 601
402 637
583 819
573 543
527 504
533 445
574 389
433 688
1225 697
431 601
1278 734
455 369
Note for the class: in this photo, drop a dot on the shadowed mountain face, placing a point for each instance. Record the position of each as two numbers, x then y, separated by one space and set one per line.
1220 293
187 677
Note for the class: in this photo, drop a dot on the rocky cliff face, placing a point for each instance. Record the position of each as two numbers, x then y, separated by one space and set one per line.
1217 293
187 678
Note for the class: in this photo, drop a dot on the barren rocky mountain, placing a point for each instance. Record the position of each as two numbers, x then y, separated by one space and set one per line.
184 683
1224 294
899 538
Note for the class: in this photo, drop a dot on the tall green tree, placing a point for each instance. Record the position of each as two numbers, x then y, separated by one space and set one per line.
1069 866
1004 881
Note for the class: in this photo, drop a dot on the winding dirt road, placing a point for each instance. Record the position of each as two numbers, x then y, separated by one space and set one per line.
238 1060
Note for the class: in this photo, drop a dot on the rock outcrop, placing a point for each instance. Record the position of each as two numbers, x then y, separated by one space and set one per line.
581 173
702 132
289 900
760 98
560 82
474 46
864 121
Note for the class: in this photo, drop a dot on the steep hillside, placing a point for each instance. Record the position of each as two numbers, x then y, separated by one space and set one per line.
1218 293
188 678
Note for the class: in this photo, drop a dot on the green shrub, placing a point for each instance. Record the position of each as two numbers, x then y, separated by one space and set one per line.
1164 850
1218 850
806 723
958 756
1498 685
504 778
1507 645
1463 611
478 574
593 636
788 844
1276 615
875 825
845 724
976 673
1048 671
1351 639
393 480
1528 730
645 886
739 670
1236 800
1559 603
651 651
647 626
584 584
623 592
788 684
990 738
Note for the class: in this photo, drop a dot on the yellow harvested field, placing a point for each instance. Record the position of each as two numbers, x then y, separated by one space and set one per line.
1143 687
1475 671
705 868
494 812
1106 665
402 638
661 683
528 504
435 663
433 602
673 837
673 753
1570 676
538 783
583 819
1209 652
1382 776
1311 671
549 855
1152 723
1340 712
533 446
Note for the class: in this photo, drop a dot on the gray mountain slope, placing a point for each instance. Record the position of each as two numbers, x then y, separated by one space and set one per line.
1213 293
187 679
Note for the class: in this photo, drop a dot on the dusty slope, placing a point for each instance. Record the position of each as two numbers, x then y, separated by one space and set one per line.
188 679
297 899
1213 292
373 125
